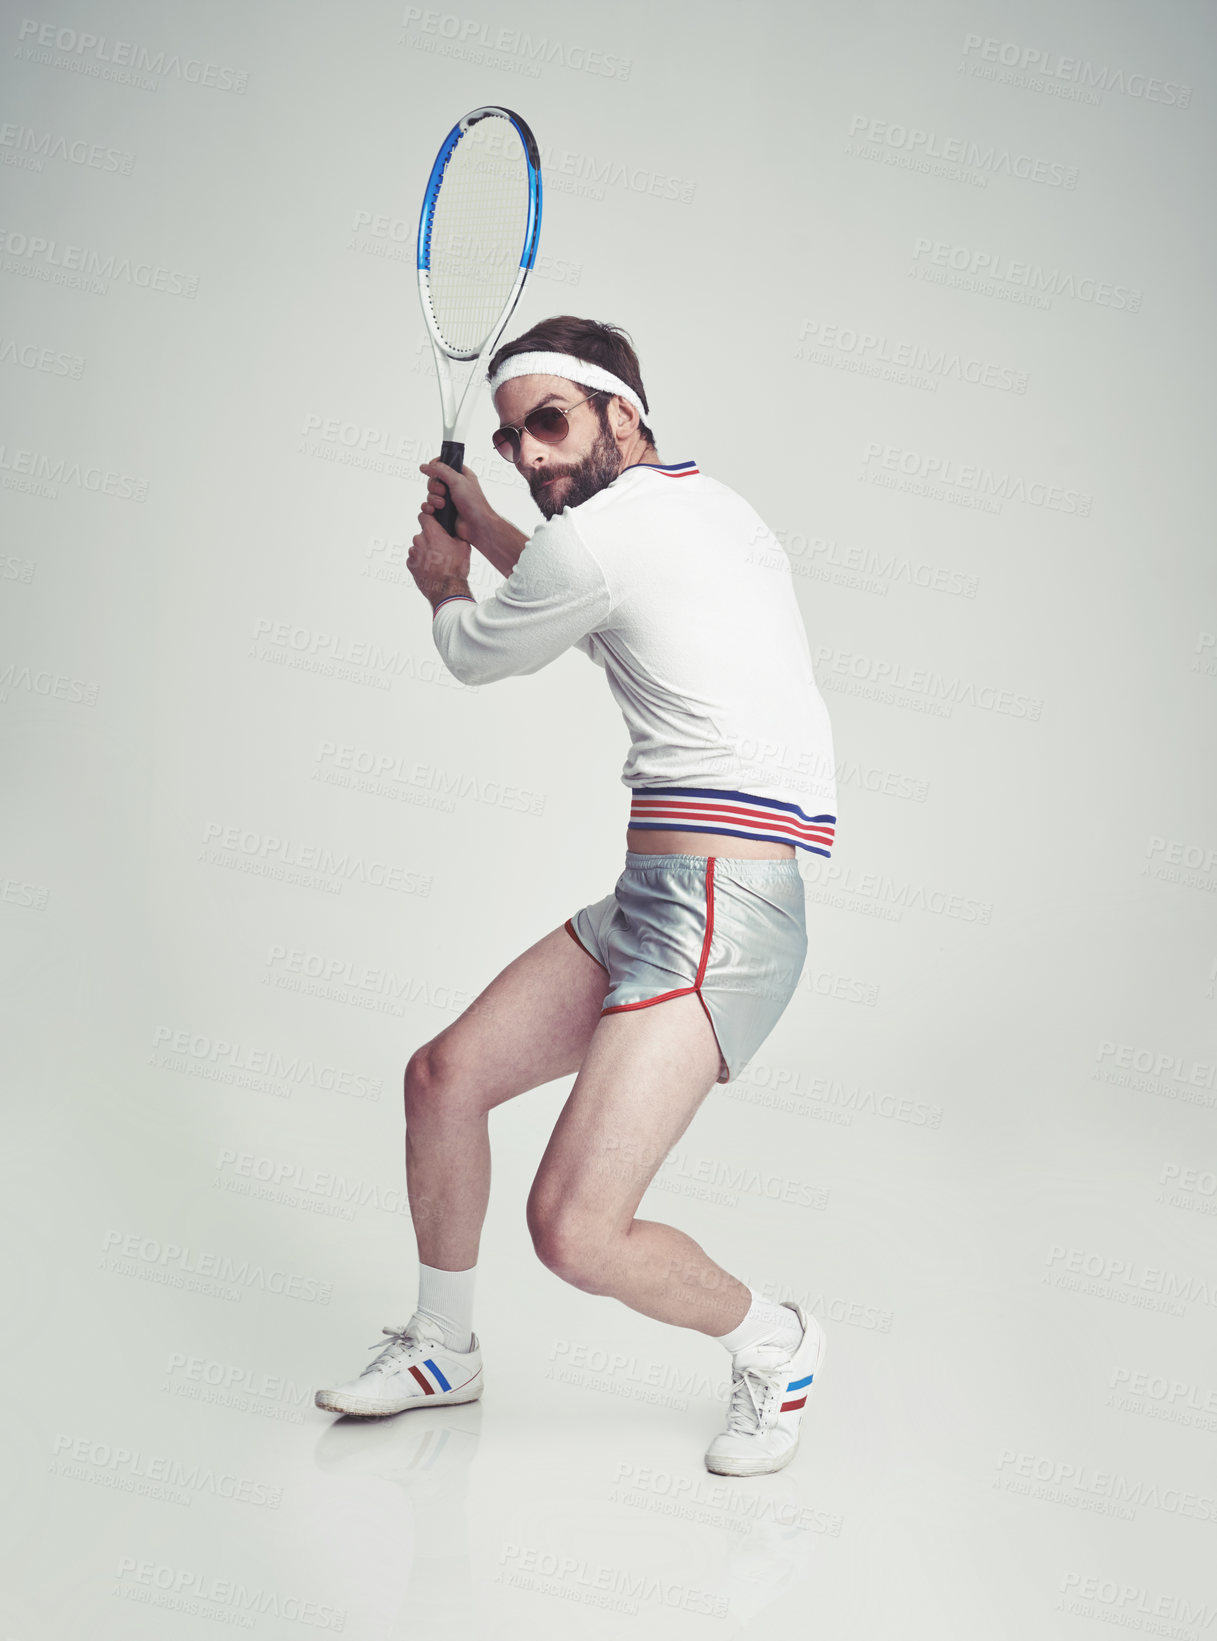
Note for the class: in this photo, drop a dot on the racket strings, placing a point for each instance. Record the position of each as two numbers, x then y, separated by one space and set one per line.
478 225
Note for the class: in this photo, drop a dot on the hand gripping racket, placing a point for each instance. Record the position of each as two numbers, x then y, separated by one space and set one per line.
477 242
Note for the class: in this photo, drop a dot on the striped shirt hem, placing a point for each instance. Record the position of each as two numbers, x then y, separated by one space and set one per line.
734 814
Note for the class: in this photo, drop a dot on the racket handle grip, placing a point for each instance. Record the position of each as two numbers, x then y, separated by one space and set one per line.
452 455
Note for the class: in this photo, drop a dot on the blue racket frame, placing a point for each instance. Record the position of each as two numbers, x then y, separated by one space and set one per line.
456 413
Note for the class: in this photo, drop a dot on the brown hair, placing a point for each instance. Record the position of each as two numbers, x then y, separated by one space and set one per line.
605 345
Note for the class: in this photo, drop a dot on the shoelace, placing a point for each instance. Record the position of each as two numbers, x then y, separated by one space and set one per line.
748 1394
398 1345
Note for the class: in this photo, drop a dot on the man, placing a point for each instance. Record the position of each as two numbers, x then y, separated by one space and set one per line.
667 580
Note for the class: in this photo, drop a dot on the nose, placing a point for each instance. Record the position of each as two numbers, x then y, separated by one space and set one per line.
532 451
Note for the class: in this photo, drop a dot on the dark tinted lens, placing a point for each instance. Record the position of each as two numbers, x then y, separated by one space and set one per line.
504 441
549 424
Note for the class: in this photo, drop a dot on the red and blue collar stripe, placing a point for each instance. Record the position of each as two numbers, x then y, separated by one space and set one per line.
673 470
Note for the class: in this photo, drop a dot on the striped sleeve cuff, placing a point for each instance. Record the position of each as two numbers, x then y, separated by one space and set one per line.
449 599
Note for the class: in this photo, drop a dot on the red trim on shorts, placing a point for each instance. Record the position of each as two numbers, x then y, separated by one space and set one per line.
683 991
705 945
570 929
645 1003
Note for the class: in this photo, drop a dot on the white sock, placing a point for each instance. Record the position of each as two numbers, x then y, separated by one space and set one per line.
446 1298
765 1324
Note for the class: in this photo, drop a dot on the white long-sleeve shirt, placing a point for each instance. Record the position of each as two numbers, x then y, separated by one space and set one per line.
671 583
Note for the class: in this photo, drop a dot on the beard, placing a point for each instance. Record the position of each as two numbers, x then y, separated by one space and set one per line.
583 480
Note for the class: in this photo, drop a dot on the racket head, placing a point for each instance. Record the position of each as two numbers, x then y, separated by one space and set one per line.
478 230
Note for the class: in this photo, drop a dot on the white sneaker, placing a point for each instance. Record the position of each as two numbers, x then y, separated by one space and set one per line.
769 1391
415 1369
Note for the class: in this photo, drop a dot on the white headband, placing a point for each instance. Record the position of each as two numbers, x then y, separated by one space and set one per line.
564 364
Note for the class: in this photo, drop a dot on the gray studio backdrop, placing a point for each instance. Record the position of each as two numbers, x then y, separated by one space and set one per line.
931 286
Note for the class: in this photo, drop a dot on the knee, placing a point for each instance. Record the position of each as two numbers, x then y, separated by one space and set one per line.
570 1245
429 1079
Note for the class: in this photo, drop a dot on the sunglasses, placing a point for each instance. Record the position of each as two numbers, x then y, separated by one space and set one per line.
548 425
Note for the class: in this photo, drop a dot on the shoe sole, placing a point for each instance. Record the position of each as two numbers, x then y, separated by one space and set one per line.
363 1407
765 1467
751 1467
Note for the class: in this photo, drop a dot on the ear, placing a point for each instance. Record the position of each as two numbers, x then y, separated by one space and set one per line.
624 417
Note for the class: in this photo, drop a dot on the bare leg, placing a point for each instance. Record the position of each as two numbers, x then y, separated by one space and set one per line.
645 1073
532 1023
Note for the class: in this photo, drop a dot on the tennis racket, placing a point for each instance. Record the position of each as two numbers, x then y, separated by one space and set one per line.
477 243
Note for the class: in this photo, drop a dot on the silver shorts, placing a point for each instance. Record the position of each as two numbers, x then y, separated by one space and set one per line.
732 931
